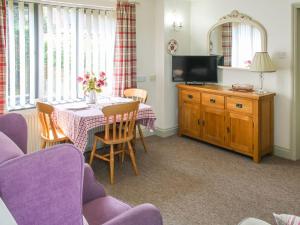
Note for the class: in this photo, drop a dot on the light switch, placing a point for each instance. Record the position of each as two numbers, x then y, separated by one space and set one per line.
281 55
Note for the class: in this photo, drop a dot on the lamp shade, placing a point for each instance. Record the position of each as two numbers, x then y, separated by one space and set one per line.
262 63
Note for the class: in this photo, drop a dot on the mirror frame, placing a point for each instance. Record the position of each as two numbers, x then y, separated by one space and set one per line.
237 17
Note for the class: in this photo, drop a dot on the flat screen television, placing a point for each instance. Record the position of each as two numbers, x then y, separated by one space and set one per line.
195 69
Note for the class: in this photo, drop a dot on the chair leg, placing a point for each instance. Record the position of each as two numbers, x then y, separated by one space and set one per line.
43 144
111 163
120 155
93 152
142 137
134 136
132 157
123 153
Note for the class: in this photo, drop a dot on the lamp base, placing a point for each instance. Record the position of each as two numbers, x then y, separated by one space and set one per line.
261 91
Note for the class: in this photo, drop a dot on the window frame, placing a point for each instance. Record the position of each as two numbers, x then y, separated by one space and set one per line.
38 88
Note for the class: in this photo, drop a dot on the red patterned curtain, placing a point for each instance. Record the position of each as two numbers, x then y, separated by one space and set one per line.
227 43
2 54
125 48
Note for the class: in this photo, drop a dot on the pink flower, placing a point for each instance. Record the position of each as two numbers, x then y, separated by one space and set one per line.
102 74
248 62
87 76
100 83
84 82
79 79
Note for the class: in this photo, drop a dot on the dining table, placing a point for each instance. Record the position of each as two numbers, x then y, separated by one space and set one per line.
77 119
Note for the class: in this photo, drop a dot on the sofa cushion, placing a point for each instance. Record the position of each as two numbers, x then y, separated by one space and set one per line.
103 209
8 149
284 219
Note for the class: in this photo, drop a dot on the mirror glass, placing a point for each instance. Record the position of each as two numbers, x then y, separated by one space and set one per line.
237 42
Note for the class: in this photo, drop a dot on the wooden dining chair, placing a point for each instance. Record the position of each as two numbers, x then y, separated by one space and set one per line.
141 96
119 126
50 132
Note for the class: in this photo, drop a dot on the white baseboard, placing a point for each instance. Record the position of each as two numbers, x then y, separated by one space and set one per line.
278 151
284 153
166 132
146 132
159 132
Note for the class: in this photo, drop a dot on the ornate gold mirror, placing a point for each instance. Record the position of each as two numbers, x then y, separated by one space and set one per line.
237 37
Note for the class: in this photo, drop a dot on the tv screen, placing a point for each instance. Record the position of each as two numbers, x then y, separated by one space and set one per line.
195 69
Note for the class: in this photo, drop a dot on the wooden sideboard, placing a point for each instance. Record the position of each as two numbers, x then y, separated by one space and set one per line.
238 121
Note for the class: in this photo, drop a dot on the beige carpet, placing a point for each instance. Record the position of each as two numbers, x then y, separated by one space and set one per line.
195 183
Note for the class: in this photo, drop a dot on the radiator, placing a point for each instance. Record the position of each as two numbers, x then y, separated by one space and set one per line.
33 127
34 136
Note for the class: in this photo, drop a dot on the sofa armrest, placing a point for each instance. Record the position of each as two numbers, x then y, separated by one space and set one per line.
14 126
145 214
44 187
92 189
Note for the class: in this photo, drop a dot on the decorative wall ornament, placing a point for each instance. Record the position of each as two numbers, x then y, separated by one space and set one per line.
172 46
236 15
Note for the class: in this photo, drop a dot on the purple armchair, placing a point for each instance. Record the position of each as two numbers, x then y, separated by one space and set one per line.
55 187
15 127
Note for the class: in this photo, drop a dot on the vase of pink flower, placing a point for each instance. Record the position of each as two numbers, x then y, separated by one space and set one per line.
92 85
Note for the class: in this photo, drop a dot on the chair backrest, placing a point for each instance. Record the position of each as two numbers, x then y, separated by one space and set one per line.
136 94
45 117
121 118
14 126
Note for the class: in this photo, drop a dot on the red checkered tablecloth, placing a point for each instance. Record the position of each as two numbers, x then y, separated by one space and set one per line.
76 123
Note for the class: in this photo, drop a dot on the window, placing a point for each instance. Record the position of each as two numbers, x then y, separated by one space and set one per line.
49 46
246 41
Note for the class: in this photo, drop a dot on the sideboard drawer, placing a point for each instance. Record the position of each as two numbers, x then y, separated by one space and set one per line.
240 105
192 96
216 101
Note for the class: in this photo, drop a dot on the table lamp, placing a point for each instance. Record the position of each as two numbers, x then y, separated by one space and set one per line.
262 63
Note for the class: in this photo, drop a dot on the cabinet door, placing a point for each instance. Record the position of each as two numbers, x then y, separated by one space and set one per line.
213 125
190 119
240 132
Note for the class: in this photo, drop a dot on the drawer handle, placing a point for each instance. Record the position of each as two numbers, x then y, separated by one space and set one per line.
212 100
239 105
190 96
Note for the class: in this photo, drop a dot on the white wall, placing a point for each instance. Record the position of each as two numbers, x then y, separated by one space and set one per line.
276 17
145 38
153 33
170 107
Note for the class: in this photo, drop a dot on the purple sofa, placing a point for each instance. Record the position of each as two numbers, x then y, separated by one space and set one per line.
55 187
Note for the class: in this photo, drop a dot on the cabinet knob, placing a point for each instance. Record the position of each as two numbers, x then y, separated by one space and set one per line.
239 105
190 96
212 100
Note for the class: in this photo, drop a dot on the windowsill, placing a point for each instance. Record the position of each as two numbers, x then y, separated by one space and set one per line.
233 68
30 106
